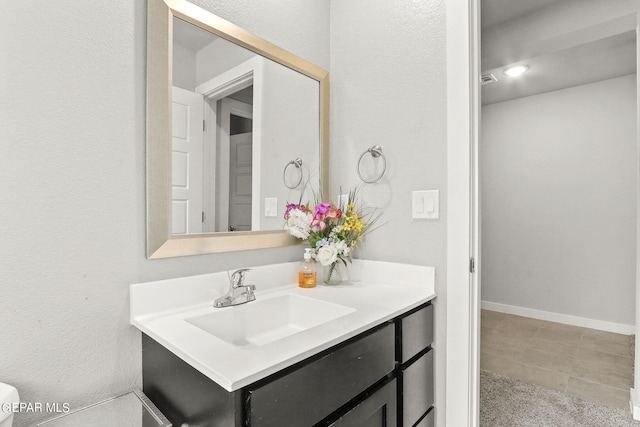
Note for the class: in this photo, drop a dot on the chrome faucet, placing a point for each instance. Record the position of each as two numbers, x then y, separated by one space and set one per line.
238 292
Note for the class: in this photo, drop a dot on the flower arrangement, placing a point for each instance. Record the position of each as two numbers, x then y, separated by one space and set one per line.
332 232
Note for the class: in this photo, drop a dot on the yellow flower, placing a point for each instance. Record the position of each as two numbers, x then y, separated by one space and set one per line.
353 223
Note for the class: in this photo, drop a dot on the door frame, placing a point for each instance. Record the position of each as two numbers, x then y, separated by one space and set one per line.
230 107
463 231
463 287
250 72
635 391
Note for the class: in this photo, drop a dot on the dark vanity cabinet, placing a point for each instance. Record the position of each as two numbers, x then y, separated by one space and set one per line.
415 367
382 377
313 391
377 410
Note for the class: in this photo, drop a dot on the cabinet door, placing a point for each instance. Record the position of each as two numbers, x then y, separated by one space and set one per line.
417 332
417 389
378 410
182 393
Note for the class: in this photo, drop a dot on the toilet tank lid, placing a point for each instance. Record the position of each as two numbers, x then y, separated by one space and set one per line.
8 394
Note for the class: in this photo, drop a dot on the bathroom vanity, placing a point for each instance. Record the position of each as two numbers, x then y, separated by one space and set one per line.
353 354
368 362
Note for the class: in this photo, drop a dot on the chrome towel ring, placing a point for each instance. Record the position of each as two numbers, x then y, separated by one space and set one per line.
375 151
298 164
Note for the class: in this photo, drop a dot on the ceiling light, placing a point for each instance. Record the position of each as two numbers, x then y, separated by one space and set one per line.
516 70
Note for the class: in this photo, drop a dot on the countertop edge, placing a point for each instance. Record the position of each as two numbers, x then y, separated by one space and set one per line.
233 384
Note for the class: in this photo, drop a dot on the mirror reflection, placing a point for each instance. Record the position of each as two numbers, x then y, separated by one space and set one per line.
238 121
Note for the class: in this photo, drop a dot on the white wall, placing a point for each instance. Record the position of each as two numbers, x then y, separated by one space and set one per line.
72 234
301 27
72 108
217 57
184 66
290 130
558 190
388 80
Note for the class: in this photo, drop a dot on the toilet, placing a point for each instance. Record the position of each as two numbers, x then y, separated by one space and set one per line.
8 396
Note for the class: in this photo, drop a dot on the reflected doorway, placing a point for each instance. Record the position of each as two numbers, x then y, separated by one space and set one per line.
240 173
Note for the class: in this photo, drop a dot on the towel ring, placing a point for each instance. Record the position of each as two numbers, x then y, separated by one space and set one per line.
375 151
298 164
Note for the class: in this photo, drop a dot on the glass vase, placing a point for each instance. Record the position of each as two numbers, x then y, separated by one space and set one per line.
332 274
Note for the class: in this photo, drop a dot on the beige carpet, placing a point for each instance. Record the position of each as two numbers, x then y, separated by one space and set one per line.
506 402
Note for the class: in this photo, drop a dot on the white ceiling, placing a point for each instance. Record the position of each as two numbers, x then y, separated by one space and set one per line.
572 59
496 12
190 36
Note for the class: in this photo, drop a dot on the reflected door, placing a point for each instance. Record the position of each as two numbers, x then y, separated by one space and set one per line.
240 182
186 177
234 195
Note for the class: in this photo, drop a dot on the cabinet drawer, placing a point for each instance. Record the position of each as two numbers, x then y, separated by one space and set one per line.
417 332
310 393
417 389
377 410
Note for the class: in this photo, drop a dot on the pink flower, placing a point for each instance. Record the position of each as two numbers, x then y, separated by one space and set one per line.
319 224
333 214
323 208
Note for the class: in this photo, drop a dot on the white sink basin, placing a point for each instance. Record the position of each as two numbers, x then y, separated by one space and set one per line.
263 321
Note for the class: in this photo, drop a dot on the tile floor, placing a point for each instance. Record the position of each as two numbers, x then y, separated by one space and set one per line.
594 365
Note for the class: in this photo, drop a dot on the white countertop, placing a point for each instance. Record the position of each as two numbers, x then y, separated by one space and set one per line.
378 291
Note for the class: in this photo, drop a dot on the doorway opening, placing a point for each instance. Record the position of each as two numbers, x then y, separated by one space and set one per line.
558 185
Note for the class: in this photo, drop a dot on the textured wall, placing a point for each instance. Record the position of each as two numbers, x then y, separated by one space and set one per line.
388 77
388 80
301 27
72 234
559 201
72 108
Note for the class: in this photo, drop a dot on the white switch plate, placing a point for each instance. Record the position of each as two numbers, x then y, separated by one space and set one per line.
271 206
425 204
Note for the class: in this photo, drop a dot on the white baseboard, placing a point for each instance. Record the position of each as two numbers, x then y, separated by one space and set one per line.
618 328
635 405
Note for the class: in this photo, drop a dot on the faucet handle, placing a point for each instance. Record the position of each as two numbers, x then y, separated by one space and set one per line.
237 277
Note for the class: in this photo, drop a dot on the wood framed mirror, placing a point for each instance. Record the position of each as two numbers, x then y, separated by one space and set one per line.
233 65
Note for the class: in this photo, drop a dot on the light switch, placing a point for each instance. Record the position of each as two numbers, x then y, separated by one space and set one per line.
430 205
271 206
425 204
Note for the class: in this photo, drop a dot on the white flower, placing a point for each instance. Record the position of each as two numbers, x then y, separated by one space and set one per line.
342 248
327 255
299 223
